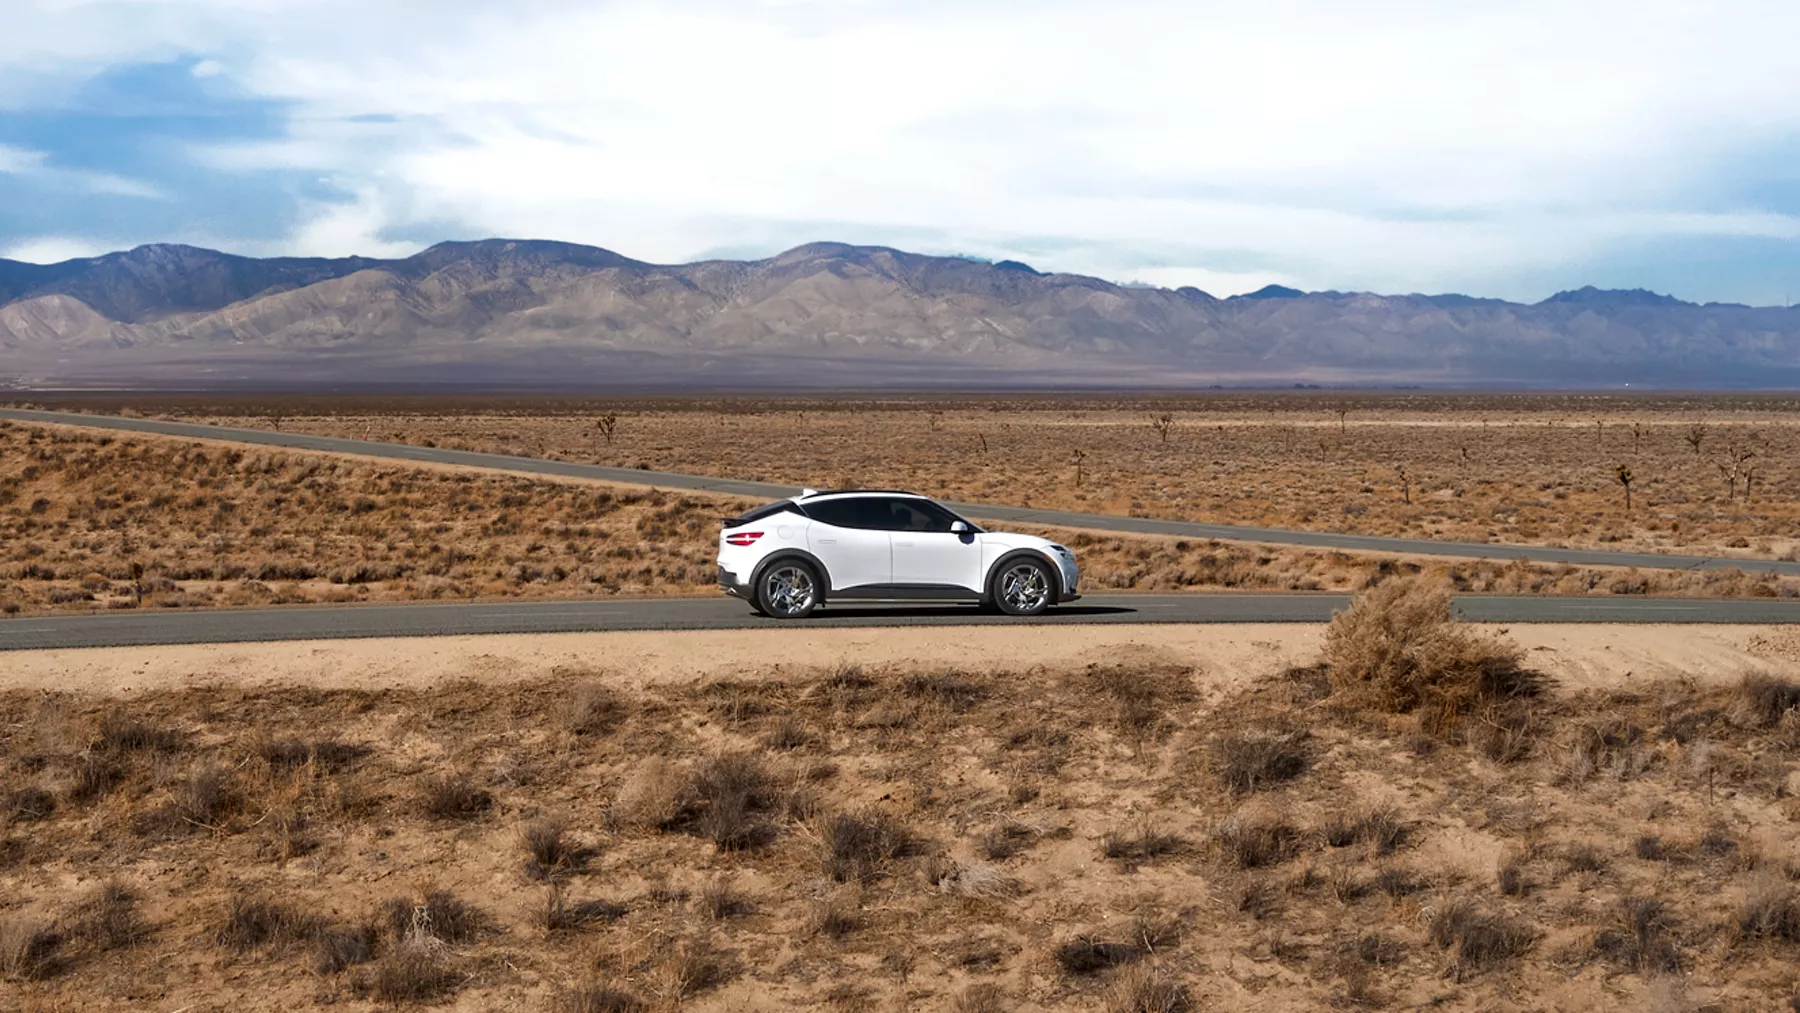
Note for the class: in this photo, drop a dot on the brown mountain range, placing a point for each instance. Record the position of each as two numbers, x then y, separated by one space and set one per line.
827 314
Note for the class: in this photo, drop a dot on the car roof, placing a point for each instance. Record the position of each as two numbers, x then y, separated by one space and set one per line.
814 494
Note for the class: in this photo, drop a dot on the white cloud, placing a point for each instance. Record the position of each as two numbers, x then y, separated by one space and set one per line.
19 160
1395 144
55 249
35 164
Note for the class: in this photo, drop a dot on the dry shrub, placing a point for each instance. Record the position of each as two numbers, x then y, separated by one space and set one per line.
594 709
1254 840
595 997
453 797
1145 989
948 691
1089 954
838 915
1770 911
327 755
981 998
1511 879
787 735
1639 939
253 922
1607 746
438 914
119 732
1762 700
1381 828
28 950
1006 840
1583 857
858 846
27 804
1397 649
652 796
1140 845
691 967
1139 698
414 971
559 914
977 879
728 799
1477 939
94 775
731 796
202 802
720 899
549 850
1247 761
107 918
337 947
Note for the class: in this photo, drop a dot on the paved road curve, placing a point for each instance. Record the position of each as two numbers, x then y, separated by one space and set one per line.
123 629
1058 518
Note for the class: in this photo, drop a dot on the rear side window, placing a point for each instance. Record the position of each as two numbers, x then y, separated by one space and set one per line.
851 512
761 512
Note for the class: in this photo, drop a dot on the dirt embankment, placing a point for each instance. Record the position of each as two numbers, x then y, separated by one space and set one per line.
989 819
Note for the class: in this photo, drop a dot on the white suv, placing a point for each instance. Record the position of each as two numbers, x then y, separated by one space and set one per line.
792 556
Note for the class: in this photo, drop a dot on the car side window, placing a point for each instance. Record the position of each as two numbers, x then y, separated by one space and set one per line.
851 512
919 515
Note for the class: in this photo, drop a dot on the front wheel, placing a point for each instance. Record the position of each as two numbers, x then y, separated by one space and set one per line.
788 590
1022 587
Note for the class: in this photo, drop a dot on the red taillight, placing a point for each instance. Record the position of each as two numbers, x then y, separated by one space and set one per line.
742 537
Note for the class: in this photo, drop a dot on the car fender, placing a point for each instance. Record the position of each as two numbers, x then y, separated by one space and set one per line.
1056 579
790 553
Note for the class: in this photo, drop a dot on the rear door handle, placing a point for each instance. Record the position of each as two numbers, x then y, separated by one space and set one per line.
903 545
827 541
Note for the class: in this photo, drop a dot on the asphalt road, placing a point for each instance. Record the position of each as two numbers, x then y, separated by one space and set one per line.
979 511
125 629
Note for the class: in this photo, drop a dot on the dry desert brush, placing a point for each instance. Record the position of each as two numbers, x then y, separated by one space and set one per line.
1398 649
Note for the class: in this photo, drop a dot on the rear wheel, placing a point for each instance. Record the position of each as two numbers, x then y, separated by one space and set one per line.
788 589
1022 587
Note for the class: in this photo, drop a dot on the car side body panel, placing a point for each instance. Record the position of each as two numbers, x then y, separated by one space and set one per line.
873 564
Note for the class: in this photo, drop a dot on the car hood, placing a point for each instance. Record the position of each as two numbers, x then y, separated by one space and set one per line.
1010 540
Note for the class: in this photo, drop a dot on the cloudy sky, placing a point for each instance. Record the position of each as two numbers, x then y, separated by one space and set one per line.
1498 148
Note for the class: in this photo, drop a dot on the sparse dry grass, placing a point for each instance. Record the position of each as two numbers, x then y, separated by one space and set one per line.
895 864
231 526
1528 469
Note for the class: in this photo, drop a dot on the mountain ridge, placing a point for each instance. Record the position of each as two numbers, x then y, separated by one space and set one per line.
529 310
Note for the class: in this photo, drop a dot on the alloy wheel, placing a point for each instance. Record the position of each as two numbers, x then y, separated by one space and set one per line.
789 590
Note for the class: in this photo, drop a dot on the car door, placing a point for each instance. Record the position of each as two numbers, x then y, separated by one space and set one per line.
926 552
848 537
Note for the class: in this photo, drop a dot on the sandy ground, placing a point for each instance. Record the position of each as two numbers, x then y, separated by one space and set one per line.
1601 656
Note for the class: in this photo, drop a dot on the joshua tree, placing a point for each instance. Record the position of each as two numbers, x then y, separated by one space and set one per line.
1637 437
1625 477
1162 424
1080 455
1342 414
1737 459
607 424
1405 483
1600 434
983 438
1696 435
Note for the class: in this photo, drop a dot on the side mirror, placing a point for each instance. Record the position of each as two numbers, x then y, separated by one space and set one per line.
958 528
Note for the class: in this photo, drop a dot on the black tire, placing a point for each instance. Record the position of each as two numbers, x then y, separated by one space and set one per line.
1022 586
788 589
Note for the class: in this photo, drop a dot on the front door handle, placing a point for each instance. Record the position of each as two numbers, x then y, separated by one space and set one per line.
903 545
